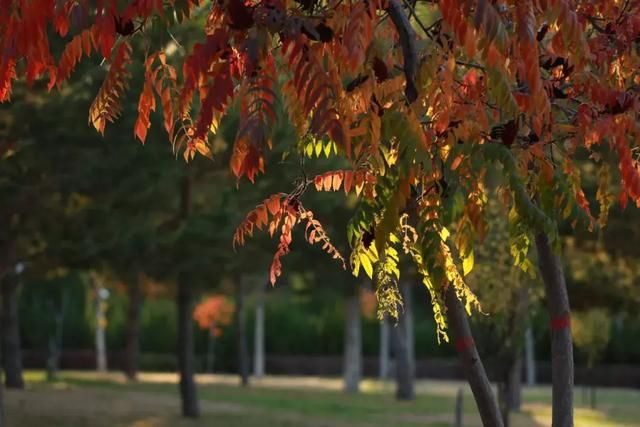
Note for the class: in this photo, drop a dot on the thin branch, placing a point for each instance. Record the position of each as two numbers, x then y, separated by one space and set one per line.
470 65
412 14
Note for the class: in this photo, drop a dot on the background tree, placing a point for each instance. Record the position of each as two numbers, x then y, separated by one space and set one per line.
212 314
508 297
592 332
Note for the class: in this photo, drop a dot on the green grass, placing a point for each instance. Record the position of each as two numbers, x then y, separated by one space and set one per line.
87 399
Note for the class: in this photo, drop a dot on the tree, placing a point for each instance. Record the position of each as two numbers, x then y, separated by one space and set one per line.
212 314
352 363
258 332
592 333
507 295
11 350
527 84
402 338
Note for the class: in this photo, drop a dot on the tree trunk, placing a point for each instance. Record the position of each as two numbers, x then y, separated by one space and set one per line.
241 324
11 353
188 392
509 390
411 341
101 326
133 329
2 424
402 340
55 338
515 384
470 359
530 356
457 422
561 340
352 368
384 349
258 337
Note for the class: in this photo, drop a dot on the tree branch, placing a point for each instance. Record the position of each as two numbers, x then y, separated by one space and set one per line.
408 44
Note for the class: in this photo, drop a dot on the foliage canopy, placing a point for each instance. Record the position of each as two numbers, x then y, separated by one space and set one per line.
422 99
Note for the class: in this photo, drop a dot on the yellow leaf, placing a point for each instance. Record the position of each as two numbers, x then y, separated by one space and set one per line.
444 234
467 263
366 264
327 149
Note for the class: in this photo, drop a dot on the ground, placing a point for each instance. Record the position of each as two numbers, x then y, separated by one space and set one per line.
82 399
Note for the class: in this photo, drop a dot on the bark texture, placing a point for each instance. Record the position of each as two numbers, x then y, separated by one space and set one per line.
470 359
561 339
352 368
188 391
11 352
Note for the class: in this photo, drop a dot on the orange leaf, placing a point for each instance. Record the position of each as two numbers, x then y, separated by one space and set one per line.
456 162
262 218
327 181
273 204
337 180
348 181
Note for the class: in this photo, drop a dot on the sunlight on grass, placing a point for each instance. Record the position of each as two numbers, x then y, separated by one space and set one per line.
148 422
107 400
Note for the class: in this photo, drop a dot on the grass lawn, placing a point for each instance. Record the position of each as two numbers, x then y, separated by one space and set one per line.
81 399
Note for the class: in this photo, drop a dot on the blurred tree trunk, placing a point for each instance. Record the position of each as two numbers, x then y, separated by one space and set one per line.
352 367
133 329
561 339
530 356
470 359
2 423
403 347
411 341
211 348
258 337
510 388
515 383
55 338
457 420
241 325
11 353
7 256
101 326
384 349
188 392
